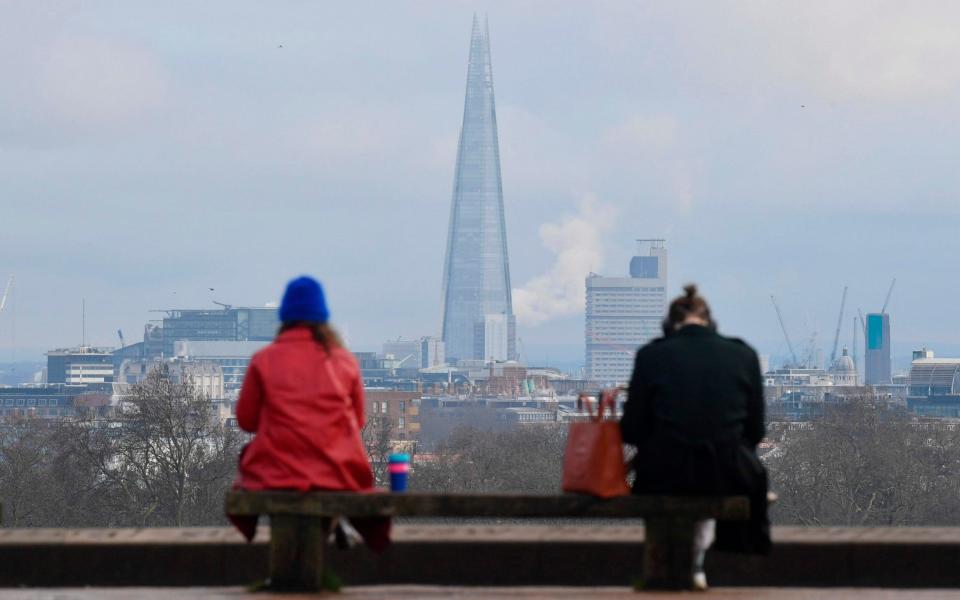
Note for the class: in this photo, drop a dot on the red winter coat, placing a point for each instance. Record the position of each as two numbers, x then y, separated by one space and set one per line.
306 408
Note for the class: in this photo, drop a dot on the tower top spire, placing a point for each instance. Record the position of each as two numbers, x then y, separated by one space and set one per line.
479 71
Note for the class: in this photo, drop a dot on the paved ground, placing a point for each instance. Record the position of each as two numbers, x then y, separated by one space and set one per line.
477 531
465 593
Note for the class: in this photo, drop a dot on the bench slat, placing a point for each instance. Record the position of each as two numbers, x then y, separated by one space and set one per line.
483 505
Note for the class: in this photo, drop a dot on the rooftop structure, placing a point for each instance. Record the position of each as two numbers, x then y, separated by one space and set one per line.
50 400
231 357
478 320
225 324
931 376
206 377
934 385
416 354
793 377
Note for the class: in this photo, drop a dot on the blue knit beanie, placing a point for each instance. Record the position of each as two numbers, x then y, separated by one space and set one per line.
304 301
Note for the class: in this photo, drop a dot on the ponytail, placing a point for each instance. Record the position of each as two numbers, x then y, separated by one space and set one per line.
687 305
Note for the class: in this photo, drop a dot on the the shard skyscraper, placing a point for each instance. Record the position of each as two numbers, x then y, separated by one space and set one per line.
478 321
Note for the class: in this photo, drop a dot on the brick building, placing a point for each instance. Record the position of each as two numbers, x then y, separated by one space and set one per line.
402 410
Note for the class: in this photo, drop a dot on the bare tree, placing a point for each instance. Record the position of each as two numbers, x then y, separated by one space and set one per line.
23 480
161 459
377 437
49 475
80 496
521 459
169 451
866 463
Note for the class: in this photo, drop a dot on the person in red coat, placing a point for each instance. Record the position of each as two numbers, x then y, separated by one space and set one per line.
302 398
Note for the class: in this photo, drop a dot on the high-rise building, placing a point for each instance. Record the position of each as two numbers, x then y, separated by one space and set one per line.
478 320
623 313
877 360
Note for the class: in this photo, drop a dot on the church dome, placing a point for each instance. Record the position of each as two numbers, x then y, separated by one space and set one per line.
843 364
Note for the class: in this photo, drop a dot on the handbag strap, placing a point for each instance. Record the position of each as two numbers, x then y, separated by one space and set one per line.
607 400
583 401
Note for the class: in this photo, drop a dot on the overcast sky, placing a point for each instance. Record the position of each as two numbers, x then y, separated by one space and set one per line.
151 151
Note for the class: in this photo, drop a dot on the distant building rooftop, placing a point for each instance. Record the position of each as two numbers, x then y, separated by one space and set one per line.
79 350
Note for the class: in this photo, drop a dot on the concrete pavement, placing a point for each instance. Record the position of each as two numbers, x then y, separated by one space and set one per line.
476 593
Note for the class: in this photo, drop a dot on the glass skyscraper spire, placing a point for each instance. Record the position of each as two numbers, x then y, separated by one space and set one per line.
478 321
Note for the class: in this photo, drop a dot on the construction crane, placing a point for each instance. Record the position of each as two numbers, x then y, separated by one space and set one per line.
887 299
123 344
811 357
225 306
521 355
6 293
856 363
863 323
836 336
3 303
784 328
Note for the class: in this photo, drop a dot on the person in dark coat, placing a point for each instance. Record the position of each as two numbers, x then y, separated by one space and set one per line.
695 412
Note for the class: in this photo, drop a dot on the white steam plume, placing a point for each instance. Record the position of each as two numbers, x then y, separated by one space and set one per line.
577 242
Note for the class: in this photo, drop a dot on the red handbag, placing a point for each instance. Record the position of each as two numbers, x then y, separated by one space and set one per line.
593 462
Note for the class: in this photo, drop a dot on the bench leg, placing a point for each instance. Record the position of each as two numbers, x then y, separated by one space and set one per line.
297 548
668 553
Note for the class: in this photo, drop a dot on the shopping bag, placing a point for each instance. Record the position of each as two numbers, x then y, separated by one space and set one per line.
593 461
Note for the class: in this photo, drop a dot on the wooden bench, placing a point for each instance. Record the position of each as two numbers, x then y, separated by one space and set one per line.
300 523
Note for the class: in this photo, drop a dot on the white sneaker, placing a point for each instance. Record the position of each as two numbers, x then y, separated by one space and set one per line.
699 582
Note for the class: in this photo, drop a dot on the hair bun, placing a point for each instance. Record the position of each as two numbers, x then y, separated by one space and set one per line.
691 290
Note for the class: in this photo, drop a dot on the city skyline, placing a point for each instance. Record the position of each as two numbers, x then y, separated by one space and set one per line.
776 159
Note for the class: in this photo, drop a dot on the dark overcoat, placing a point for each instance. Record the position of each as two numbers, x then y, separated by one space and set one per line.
695 412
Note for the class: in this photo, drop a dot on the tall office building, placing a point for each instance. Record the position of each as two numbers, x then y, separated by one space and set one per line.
623 313
877 361
478 320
